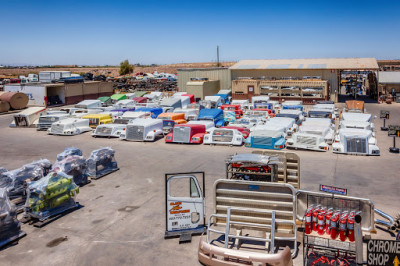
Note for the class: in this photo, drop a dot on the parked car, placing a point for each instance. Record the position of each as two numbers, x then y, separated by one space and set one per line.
109 130
355 141
223 136
215 115
69 127
98 119
143 130
267 137
87 104
186 133
45 121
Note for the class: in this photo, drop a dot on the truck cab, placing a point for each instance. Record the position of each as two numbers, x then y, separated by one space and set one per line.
98 119
288 124
169 104
260 100
87 104
190 114
355 141
127 103
226 99
186 133
82 112
312 137
109 130
155 112
45 121
267 137
236 108
117 113
129 116
170 120
215 115
223 136
297 115
69 127
143 130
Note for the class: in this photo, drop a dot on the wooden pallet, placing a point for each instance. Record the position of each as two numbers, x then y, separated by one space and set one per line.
104 174
12 239
40 223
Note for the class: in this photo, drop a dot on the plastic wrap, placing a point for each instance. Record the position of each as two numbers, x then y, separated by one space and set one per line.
74 166
16 181
101 162
44 164
69 152
9 225
3 170
51 195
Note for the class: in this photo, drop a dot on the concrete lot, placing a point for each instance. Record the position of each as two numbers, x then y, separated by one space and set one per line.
123 218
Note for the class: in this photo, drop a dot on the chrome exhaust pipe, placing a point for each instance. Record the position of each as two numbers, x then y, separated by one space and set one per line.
359 240
390 224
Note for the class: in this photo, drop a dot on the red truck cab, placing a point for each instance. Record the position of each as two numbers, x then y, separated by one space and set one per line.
245 131
191 97
140 99
233 108
186 133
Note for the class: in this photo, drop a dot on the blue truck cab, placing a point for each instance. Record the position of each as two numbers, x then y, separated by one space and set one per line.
154 111
215 115
266 137
225 98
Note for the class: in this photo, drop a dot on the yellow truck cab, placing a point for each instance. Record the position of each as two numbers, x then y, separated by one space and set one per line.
178 118
98 119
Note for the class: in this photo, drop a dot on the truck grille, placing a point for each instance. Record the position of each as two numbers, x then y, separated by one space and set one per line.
43 126
222 136
307 140
106 131
135 133
57 129
181 134
265 141
356 145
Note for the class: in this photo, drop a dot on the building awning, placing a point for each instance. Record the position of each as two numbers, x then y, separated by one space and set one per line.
318 63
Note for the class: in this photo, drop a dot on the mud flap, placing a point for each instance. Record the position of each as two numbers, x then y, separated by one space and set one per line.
184 205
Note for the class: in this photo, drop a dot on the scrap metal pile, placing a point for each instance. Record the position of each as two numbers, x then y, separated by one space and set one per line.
129 84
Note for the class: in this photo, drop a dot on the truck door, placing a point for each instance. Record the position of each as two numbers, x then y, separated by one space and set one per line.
185 205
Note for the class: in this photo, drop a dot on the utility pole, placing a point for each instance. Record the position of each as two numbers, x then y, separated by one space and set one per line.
217 55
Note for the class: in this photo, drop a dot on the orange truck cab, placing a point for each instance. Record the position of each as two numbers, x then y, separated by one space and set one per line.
187 133
233 108
178 118
268 112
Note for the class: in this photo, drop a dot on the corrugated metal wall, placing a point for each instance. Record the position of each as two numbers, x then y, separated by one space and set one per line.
325 74
221 74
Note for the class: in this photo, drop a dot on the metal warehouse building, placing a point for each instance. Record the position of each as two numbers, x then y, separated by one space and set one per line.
222 74
306 79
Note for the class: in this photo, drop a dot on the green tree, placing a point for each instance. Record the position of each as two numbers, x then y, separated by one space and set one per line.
125 68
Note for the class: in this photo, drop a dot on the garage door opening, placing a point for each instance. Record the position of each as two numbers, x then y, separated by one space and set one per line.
358 84
55 95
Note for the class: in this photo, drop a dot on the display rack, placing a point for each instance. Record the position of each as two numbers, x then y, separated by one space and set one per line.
323 247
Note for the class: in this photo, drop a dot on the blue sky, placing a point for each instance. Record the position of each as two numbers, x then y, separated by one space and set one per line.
162 32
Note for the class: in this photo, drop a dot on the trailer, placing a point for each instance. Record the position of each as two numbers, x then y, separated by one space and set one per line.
28 117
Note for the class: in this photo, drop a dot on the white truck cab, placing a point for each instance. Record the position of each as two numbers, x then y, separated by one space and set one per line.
109 130
86 104
355 141
69 127
142 129
223 136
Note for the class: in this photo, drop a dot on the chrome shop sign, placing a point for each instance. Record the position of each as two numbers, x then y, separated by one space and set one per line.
383 252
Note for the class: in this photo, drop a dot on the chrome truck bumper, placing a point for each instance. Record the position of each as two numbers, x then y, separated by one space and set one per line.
209 254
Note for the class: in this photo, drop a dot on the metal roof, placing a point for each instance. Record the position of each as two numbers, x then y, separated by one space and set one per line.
318 63
389 77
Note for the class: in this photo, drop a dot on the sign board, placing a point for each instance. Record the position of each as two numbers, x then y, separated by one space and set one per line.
394 131
36 94
185 205
334 190
383 252
385 114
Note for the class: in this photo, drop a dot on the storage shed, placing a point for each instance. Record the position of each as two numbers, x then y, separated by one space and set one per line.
202 88
305 76
389 83
222 74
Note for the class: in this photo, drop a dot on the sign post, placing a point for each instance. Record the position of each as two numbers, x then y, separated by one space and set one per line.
333 190
383 252
384 115
395 133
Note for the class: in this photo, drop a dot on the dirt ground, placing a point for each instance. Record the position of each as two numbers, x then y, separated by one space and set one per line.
122 221
108 71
